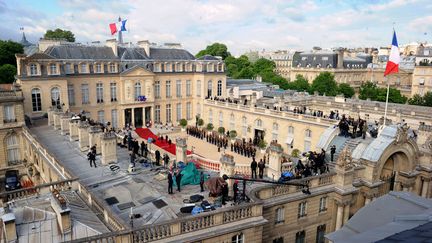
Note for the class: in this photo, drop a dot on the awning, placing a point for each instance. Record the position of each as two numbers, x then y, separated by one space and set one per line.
289 139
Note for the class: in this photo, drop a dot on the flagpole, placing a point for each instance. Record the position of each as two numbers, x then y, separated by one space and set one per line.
386 104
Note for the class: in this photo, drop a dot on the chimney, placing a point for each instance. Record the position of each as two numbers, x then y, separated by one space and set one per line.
113 44
9 226
58 203
173 45
45 43
146 45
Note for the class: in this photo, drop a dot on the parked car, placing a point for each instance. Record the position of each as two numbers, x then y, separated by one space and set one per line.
12 180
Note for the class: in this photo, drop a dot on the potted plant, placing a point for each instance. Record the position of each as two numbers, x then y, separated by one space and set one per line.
233 135
200 122
210 128
295 155
262 145
221 130
183 124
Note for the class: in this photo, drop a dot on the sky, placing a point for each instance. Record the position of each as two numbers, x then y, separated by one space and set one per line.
243 25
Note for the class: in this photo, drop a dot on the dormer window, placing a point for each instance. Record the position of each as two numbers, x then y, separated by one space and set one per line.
53 69
68 68
112 68
33 69
83 68
98 68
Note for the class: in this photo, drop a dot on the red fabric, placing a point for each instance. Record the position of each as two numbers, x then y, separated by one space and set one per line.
146 133
113 28
391 68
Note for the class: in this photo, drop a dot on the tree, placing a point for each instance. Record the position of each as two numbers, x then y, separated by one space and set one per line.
215 49
221 130
370 91
324 83
299 84
346 90
210 126
263 65
7 73
60 34
416 100
183 122
428 99
8 49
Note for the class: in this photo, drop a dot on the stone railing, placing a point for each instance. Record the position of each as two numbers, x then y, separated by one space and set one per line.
38 190
205 163
280 190
178 227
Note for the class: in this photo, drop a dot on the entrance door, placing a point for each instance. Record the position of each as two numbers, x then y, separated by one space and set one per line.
138 115
258 136
128 116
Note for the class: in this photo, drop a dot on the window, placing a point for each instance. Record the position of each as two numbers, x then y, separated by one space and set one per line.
198 91
114 118
178 112
168 113
209 89
84 68
168 89
278 240
258 123
188 88
9 113
157 89
53 69
137 91
113 91
101 117
290 130
198 108
178 88
99 93
308 133
188 111
307 146
275 131
300 237
325 58
55 97
219 88
157 113
210 116
12 150
36 99
302 209
280 215
244 126
239 238
98 68
220 119
112 67
68 68
321 230
33 69
422 81
84 94
71 94
323 204
232 122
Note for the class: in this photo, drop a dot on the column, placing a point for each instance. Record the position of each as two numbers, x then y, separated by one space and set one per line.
339 216
425 187
73 130
181 149
346 213
83 136
64 124
95 133
132 117
108 148
228 168
367 200
275 162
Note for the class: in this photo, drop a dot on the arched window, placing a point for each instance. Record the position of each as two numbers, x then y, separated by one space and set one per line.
36 99
275 131
219 88
55 97
244 126
220 119
209 88
137 90
12 150
232 122
258 123
291 130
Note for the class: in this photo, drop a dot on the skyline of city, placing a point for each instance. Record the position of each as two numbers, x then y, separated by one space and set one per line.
241 25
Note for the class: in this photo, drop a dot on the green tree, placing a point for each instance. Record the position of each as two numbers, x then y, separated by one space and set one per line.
263 65
346 90
7 73
428 99
416 100
8 49
299 84
368 90
324 83
61 34
215 49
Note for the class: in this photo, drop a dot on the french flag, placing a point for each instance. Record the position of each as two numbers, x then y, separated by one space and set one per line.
114 28
394 59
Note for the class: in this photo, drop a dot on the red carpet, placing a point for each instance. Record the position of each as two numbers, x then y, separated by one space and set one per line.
146 133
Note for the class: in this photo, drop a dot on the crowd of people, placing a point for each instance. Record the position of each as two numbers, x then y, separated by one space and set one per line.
244 148
221 141
359 127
